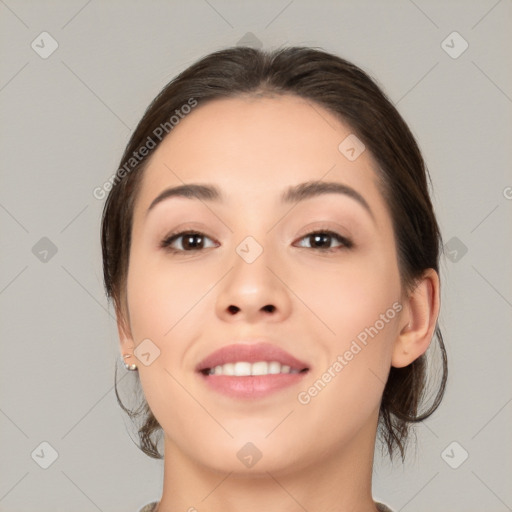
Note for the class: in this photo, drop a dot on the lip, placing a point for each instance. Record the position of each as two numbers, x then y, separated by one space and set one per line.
253 386
250 353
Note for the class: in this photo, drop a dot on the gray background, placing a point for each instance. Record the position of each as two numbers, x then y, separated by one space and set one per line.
65 122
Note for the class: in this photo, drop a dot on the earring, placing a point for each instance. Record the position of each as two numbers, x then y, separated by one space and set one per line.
131 367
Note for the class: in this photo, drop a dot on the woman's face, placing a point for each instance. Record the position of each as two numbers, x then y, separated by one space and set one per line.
256 281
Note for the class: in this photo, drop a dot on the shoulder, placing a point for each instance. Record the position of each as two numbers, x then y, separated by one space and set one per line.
150 507
382 508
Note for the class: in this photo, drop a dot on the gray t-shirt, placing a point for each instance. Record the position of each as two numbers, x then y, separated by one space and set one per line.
150 507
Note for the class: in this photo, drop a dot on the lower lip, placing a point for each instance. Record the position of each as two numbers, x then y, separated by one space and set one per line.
252 386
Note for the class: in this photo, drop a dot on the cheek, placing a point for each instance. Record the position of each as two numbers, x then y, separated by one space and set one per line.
363 311
350 296
162 298
164 305
359 304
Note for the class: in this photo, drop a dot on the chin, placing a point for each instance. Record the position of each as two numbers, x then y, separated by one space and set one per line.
250 458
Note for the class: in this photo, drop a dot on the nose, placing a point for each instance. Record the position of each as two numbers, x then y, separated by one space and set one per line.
254 290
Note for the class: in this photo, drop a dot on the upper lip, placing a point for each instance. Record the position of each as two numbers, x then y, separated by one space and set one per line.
251 353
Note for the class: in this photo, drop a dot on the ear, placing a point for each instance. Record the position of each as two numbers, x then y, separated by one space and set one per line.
126 343
418 322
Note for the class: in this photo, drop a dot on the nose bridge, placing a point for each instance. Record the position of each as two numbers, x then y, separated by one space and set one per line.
251 286
253 256
254 234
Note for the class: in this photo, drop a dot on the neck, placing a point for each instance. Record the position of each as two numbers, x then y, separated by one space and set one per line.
340 481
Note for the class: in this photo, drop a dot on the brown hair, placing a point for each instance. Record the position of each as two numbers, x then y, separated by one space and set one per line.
348 92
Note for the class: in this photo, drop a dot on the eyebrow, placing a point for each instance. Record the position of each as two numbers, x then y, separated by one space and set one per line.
292 194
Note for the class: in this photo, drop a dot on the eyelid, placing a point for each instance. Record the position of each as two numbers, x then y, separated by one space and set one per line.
323 226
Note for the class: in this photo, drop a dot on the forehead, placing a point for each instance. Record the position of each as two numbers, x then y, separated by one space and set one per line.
255 147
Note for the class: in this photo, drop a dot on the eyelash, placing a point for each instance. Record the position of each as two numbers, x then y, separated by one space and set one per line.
347 243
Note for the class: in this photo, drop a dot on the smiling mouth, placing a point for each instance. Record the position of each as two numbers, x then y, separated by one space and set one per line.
247 369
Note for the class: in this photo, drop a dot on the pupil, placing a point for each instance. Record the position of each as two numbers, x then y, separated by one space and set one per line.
317 237
187 241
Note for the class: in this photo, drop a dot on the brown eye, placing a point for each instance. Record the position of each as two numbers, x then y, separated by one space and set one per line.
321 240
191 241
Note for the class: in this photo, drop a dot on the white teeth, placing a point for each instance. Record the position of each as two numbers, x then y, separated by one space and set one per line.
274 367
244 369
260 368
228 369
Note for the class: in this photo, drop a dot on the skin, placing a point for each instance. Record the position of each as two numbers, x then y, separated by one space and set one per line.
315 456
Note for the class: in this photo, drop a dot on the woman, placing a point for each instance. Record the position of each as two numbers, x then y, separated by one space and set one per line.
272 254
